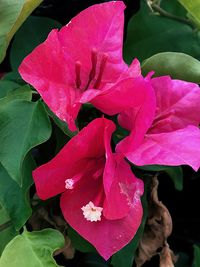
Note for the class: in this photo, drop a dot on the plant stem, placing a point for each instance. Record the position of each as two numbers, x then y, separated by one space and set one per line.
164 13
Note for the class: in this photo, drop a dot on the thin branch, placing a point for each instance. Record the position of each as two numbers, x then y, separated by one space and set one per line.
164 13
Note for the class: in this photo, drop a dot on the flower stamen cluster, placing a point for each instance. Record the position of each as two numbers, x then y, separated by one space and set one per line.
91 212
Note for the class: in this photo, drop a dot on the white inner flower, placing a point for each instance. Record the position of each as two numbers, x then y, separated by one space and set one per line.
69 184
91 212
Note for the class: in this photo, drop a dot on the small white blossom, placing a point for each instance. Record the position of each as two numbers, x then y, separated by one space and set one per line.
91 212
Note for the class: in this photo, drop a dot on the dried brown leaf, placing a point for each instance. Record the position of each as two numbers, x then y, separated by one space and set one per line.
167 257
158 228
68 251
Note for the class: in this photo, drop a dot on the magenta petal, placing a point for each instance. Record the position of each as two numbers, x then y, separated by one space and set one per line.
98 27
119 198
44 70
135 68
107 236
173 148
110 164
133 71
114 193
60 67
138 120
144 114
89 94
123 95
177 104
73 159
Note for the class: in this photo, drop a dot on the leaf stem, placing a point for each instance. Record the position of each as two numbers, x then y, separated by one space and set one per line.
164 13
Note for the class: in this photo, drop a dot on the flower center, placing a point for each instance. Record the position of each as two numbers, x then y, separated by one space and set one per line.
91 212
96 72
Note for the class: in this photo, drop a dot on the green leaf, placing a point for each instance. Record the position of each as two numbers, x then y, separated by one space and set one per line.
13 13
13 76
32 249
6 86
177 65
33 32
174 172
173 7
79 242
9 94
23 125
126 255
7 230
196 260
193 7
149 34
14 197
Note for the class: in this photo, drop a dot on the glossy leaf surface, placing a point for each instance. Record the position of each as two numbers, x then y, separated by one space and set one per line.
177 65
149 34
32 249
13 14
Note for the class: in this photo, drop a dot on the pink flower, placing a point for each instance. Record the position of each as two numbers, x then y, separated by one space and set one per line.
173 138
100 195
83 63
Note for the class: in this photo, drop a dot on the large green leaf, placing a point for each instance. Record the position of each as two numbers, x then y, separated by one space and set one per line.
33 32
13 76
13 13
173 7
149 34
177 65
196 260
14 199
8 94
32 249
23 125
193 8
10 90
6 86
125 256
7 230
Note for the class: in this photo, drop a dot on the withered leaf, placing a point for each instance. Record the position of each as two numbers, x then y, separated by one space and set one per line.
158 228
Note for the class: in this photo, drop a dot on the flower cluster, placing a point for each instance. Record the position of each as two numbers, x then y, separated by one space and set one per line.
100 196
